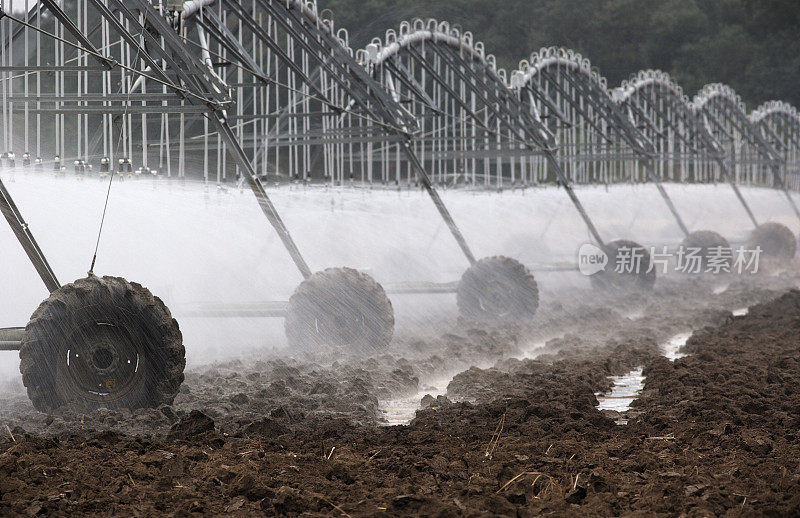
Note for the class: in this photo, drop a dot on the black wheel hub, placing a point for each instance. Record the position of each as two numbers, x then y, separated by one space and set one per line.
103 362
497 297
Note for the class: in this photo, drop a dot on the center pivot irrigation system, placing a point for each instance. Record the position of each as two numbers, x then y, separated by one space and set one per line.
271 91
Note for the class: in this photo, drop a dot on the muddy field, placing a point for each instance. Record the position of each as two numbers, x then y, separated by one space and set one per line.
518 431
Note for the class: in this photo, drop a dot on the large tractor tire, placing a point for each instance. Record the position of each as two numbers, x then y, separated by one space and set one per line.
497 289
711 245
642 278
776 240
102 342
339 308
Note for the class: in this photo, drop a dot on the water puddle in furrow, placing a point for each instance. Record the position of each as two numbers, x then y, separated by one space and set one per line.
628 387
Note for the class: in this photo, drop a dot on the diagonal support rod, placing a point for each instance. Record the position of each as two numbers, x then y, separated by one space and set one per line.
260 193
437 201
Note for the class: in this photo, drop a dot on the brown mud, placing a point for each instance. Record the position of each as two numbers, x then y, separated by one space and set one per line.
714 433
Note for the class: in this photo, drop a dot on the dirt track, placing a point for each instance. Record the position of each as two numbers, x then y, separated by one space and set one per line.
713 433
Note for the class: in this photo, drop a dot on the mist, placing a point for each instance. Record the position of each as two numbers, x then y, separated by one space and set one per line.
193 244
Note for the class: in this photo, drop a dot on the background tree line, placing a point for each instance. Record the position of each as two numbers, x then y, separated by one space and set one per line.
752 45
